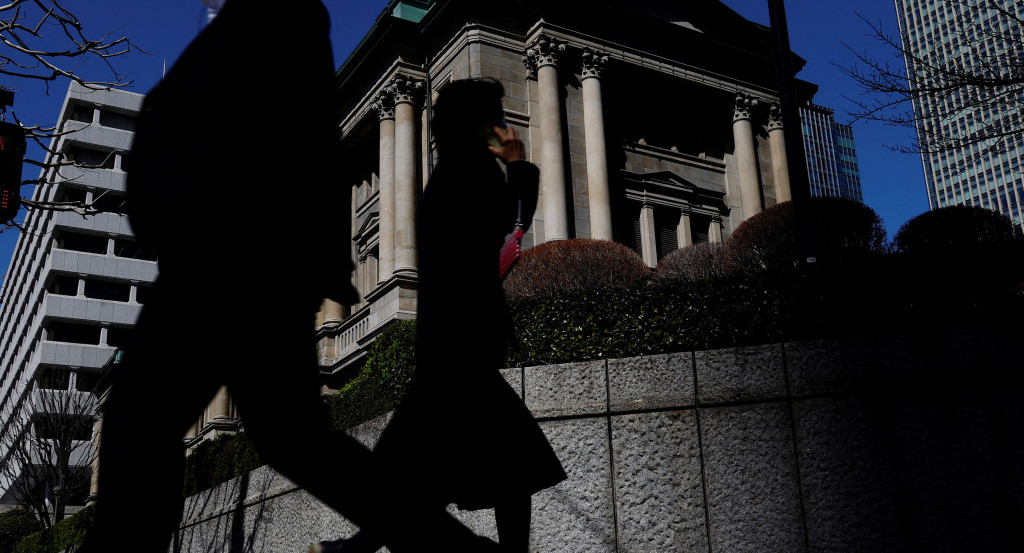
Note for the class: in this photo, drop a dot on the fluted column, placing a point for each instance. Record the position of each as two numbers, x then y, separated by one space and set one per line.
684 231
597 155
648 236
780 164
407 188
385 106
221 406
715 231
746 156
542 58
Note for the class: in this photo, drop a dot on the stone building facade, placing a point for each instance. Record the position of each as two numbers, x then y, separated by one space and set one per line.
654 124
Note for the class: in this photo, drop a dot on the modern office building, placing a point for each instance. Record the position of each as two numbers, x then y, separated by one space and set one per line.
977 36
75 284
652 123
831 155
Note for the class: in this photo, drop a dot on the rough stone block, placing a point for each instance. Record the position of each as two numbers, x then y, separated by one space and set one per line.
952 483
651 382
658 493
848 477
571 389
514 377
753 498
740 374
827 366
576 516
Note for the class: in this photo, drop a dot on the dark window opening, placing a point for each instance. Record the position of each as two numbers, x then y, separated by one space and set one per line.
64 286
106 290
132 249
88 243
70 194
82 114
63 427
116 120
666 231
142 293
700 228
90 157
53 378
74 333
86 381
108 201
118 337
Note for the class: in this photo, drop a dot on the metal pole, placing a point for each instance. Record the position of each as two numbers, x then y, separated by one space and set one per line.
792 130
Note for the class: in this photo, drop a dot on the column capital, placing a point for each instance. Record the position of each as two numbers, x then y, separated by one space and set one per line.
774 117
542 52
405 89
593 63
744 107
384 104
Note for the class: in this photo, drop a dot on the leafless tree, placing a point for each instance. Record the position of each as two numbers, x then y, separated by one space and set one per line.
967 91
47 447
41 41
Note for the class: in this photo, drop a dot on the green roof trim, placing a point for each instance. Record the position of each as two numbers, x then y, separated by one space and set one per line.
411 10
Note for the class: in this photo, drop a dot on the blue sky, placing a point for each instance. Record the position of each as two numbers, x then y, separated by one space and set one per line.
893 183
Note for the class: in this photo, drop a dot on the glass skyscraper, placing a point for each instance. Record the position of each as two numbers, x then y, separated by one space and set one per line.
831 155
983 38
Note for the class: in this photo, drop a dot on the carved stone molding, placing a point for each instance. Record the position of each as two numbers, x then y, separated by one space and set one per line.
406 89
774 118
744 107
384 104
543 51
593 63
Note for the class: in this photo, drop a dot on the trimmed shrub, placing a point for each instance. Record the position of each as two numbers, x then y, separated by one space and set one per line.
841 231
382 382
960 261
646 318
572 265
959 227
219 460
694 262
15 525
59 537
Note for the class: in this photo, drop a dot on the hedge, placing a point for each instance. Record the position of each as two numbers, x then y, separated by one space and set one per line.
15 525
60 536
383 380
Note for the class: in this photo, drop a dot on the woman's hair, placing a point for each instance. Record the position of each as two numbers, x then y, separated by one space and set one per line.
463 108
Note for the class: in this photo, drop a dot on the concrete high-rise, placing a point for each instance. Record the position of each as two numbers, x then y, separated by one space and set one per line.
982 165
75 284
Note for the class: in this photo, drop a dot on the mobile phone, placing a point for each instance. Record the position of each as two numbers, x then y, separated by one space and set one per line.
490 135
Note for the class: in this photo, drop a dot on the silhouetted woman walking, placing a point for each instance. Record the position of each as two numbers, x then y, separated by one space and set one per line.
463 435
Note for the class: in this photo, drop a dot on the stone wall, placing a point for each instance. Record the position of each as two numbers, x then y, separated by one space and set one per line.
909 443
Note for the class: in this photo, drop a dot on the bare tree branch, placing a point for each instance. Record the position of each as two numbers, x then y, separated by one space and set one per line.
27 51
46 445
967 92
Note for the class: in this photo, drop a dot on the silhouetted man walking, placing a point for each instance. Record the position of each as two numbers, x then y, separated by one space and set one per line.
229 183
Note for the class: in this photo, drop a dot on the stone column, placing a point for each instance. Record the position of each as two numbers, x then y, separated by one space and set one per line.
715 231
542 58
332 311
746 156
407 188
684 232
385 106
648 236
221 406
780 164
597 155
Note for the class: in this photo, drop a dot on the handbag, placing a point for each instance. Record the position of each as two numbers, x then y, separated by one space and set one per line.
513 247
